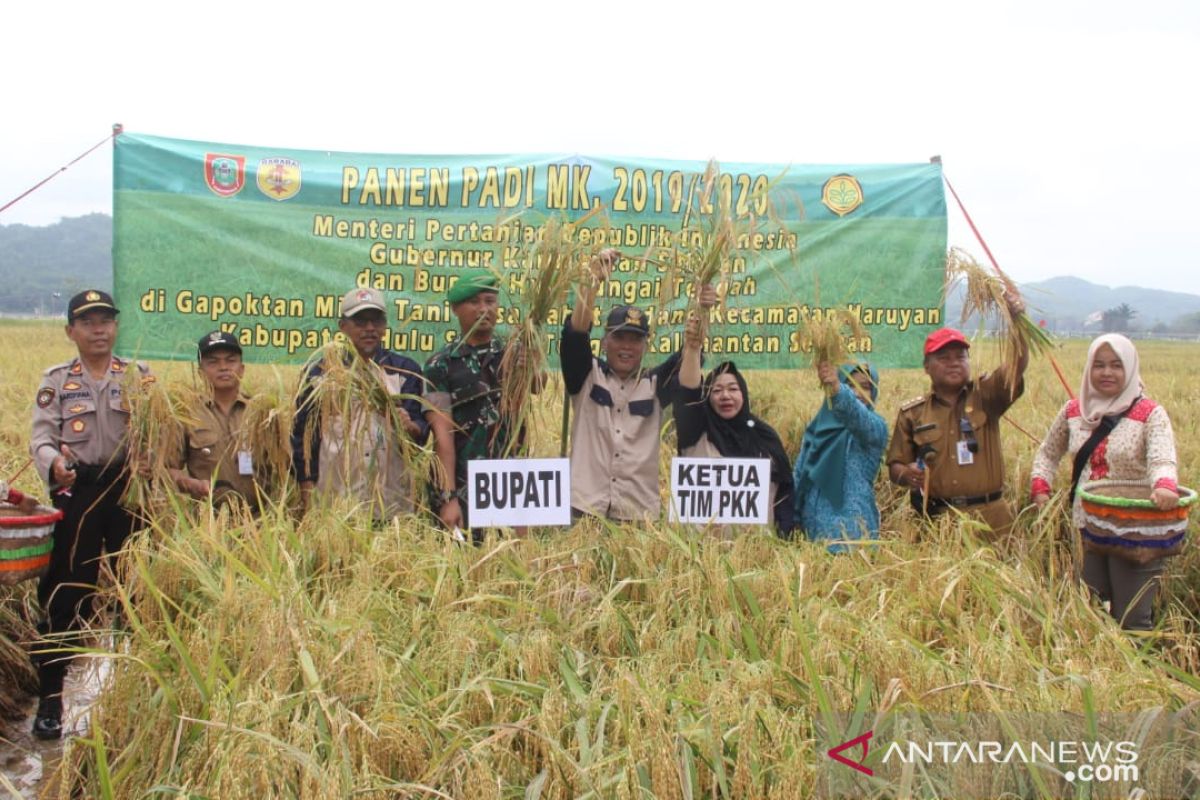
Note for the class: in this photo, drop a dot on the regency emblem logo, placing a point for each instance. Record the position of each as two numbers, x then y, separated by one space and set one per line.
278 177
224 174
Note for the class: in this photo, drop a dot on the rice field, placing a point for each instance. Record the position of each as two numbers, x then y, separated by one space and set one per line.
324 659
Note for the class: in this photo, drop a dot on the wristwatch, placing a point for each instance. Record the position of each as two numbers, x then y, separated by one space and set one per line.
445 496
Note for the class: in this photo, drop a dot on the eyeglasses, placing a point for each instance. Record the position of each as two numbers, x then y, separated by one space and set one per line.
364 320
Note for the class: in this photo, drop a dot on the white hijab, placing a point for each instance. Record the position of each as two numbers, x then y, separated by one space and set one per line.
1093 407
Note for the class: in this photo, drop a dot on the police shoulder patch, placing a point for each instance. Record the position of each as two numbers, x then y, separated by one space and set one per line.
57 368
911 404
45 397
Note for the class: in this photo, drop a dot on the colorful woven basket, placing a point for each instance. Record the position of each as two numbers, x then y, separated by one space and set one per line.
1119 518
25 542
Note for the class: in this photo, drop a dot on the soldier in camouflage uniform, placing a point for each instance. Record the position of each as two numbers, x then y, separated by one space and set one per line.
463 393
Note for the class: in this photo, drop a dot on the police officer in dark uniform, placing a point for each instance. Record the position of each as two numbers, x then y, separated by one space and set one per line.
80 425
945 446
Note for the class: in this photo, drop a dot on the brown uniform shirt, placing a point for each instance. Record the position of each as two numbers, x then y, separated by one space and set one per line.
87 415
212 441
928 421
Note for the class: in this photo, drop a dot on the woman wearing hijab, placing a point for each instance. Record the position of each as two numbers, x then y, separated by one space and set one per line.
1139 446
839 458
713 419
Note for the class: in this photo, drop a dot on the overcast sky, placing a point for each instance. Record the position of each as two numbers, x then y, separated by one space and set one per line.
1068 128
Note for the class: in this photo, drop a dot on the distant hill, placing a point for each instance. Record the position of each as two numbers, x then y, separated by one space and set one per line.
64 258
76 253
1065 303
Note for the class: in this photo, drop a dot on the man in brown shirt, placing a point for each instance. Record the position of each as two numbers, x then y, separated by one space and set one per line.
945 446
80 423
216 458
617 405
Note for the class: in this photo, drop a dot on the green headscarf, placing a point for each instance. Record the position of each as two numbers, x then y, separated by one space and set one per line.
826 442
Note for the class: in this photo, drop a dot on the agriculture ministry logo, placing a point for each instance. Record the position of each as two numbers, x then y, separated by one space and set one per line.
224 174
279 178
841 194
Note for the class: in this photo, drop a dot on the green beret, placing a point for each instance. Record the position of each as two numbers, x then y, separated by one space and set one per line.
470 283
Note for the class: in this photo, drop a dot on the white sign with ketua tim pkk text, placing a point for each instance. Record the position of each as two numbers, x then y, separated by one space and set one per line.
721 490
519 491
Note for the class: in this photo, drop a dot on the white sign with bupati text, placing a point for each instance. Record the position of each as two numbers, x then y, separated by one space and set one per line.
721 490
519 491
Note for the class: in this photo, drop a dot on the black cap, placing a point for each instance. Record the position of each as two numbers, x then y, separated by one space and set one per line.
217 341
627 318
89 300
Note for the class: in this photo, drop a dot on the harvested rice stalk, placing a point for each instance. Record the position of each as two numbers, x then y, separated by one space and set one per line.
157 419
825 336
546 270
984 294
352 389
708 237
713 225
267 430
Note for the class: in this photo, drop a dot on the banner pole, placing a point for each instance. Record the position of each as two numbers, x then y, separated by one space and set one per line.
115 131
566 422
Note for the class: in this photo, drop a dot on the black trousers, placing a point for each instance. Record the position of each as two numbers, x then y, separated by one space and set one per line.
94 528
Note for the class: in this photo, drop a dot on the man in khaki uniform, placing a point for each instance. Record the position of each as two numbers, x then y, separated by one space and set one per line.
358 454
216 459
617 405
945 446
80 422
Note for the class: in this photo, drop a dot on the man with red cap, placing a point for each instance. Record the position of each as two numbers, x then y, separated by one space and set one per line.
945 447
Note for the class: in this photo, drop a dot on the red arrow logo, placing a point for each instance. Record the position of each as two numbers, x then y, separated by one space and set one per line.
836 753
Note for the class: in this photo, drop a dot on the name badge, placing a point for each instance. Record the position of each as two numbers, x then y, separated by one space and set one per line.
245 463
965 456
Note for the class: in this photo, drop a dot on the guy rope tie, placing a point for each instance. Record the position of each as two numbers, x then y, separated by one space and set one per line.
116 130
996 266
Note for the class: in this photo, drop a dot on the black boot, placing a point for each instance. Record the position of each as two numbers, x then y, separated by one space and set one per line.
48 722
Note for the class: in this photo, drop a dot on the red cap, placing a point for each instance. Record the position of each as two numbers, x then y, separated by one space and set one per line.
942 337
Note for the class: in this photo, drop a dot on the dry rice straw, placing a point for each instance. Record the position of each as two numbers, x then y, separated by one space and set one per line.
347 387
984 294
824 336
546 270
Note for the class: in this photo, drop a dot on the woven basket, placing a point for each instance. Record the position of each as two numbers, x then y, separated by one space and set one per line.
1120 518
25 542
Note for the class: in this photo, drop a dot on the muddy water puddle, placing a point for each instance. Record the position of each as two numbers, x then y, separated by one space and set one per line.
26 762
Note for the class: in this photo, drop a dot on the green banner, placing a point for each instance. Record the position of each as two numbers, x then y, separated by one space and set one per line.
262 242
